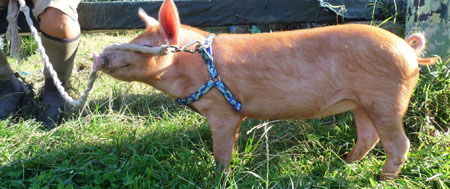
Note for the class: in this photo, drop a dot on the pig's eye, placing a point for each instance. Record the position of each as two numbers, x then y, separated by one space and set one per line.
147 45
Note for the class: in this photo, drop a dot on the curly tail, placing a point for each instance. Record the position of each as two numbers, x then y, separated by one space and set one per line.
417 42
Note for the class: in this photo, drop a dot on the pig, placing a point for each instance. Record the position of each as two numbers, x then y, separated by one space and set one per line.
301 74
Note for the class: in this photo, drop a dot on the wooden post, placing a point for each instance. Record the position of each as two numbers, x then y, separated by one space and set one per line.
432 18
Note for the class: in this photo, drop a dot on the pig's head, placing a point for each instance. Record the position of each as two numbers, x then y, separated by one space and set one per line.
135 66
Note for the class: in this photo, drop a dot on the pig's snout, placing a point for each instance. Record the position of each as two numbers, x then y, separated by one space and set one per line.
100 61
97 62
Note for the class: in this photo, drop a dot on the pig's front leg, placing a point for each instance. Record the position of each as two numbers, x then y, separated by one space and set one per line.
225 126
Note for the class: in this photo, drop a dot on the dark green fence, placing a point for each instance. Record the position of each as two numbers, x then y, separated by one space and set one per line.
123 15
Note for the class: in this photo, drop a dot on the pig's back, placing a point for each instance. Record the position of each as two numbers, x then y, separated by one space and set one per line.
298 73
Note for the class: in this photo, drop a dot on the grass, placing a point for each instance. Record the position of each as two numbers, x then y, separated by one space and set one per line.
133 136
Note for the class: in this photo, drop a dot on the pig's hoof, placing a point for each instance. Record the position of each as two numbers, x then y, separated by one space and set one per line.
388 176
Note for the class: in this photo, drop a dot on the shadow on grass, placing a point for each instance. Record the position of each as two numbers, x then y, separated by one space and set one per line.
152 104
121 158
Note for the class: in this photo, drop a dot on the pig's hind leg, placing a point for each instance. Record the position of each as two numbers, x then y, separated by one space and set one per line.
387 119
396 146
367 136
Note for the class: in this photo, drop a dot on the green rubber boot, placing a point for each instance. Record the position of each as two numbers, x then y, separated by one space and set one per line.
61 53
12 90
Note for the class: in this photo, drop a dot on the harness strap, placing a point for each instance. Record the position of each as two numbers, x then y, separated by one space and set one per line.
214 81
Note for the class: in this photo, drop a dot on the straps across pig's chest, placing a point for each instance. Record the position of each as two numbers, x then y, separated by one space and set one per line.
214 81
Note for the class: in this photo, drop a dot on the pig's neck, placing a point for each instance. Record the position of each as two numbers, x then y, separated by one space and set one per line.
186 72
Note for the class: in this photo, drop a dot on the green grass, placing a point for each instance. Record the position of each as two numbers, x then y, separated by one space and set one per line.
133 136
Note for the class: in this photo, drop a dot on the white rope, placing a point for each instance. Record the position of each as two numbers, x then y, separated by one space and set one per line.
92 76
160 51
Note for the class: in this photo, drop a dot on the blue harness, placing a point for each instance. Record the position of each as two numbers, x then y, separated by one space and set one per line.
214 80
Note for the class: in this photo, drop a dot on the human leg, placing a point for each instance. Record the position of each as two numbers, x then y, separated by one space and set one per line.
60 38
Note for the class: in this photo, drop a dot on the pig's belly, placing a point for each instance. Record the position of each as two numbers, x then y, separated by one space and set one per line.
300 112
310 106
336 108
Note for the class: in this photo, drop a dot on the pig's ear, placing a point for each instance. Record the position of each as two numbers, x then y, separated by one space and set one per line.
169 21
150 22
